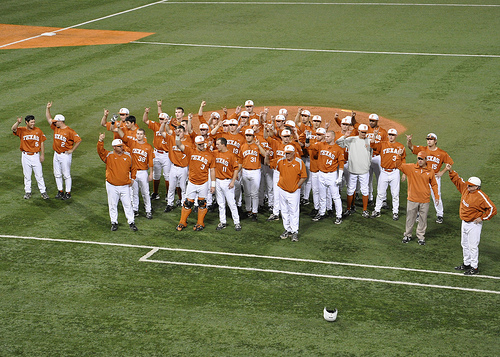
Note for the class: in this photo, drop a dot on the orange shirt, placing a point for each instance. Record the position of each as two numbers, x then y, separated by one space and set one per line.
119 168
389 153
225 164
121 126
64 139
234 142
30 139
419 180
177 157
250 156
290 173
158 142
200 163
330 157
436 158
142 154
473 204
278 147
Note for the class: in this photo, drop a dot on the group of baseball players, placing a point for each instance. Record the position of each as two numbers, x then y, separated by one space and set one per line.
275 162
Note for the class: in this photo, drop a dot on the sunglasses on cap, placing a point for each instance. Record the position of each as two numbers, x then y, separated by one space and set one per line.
420 158
391 134
121 114
244 117
232 124
430 138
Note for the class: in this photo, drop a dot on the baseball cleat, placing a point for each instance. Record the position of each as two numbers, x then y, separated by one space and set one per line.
198 227
463 267
180 227
59 195
385 205
155 196
149 215
114 227
406 240
395 217
254 217
45 196
338 220
295 237
365 214
237 227
284 235
318 217
27 195
313 212
375 214
347 213
421 242
439 219
133 227
67 196
220 226
168 208
136 213
273 217
472 271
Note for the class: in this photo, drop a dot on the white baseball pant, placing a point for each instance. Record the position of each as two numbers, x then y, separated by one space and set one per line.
471 235
31 163
276 190
374 170
226 195
177 178
266 186
306 187
62 170
197 191
392 179
161 162
353 181
439 204
119 193
315 189
327 183
290 209
250 179
141 184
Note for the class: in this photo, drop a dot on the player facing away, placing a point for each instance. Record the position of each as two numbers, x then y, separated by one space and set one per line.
292 174
120 174
201 181
33 154
66 140
226 174
475 208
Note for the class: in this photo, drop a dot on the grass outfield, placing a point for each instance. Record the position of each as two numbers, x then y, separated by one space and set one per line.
61 298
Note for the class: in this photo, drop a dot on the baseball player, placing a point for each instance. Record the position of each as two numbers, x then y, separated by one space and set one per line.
33 150
347 129
66 140
120 174
201 175
389 175
142 159
266 179
226 174
179 169
360 154
380 136
331 168
314 171
116 120
292 175
475 208
436 157
249 157
421 179
161 161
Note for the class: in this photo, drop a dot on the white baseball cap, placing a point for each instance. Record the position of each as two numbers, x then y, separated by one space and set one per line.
199 139
117 142
233 121
244 114
59 117
290 123
215 114
124 111
249 132
280 117
204 126
225 122
248 102
373 117
289 148
347 120
432 136
316 118
305 112
474 181
321 131
254 121
286 132
392 131
283 111
363 127
163 116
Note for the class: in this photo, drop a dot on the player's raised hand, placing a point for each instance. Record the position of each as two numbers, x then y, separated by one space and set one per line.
102 136
409 137
336 115
146 110
49 104
19 120
159 103
203 103
106 112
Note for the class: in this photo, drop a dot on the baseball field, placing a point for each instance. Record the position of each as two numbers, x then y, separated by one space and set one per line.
71 287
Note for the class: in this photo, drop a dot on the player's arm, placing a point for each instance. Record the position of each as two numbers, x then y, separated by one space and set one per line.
216 128
202 105
165 129
338 120
212 179
179 143
42 152
75 145
145 118
158 104
120 132
47 113
263 115
104 118
100 147
189 126
408 142
16 124
297 116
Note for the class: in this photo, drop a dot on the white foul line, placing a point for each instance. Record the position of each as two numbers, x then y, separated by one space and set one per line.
86 22
326 3
315 50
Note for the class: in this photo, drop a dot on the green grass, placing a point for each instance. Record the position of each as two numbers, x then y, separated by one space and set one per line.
64 299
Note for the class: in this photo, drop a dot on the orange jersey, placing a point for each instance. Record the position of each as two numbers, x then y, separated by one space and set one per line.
158 142
142 154
64 139
121 126
290 173
234 142
436 158
200 163
381 136
176 156
278 147
119 168
330 157
225 164
250 156
313 167
473 204
419 180
31 140
389 153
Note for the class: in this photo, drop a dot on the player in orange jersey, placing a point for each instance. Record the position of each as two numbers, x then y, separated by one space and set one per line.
33 150
379 137
116 120
201 181
66 140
